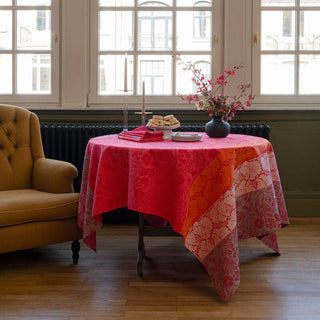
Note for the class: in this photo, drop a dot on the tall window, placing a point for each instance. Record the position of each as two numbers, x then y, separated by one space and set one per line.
27 53
150 34
289 50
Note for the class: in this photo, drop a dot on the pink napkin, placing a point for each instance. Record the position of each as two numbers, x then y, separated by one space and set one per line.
141 134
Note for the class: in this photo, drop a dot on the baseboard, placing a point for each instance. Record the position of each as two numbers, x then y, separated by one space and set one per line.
303 207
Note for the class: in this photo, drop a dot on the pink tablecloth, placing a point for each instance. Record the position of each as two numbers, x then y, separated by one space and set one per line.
213 192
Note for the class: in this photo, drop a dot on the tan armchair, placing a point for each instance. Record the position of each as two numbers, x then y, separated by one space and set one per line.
38 205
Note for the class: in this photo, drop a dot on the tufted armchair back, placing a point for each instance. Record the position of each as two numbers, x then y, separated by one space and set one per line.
20 146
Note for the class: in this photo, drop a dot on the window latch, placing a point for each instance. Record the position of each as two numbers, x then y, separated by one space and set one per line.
256 38
55 38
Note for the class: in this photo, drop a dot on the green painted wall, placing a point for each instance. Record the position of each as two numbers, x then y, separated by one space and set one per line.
295 138
294 135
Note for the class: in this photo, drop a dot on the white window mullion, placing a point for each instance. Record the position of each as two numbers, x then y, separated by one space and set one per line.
297 49
94 54
219 21
55 51
174 46
14 51
135 49
256 45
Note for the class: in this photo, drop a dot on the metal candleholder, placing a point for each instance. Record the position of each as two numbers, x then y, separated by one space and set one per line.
143 117
125 112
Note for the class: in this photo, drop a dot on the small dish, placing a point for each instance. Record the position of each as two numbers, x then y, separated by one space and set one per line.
186 137
164 128
167 131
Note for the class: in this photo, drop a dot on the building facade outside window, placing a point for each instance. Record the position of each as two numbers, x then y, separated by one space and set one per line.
201 22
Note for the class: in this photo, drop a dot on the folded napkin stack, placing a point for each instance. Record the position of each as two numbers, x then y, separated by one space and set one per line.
141 134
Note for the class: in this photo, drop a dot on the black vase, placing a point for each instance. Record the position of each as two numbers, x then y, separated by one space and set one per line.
217 128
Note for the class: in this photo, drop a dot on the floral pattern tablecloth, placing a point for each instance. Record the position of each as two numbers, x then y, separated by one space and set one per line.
213 192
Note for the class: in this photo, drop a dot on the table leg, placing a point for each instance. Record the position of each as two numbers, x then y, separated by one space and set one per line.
141 248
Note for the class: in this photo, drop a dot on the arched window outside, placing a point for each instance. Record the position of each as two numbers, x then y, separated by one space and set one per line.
205 67
155 27
201 21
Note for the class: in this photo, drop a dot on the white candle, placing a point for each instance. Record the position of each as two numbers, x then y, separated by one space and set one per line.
143 99
126 74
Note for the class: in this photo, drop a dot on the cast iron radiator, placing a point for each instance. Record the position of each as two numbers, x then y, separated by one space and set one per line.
68 142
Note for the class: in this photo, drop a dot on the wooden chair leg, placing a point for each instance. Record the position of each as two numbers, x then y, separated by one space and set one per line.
75 250
141 248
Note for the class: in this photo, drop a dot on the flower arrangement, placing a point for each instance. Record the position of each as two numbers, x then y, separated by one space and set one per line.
207 97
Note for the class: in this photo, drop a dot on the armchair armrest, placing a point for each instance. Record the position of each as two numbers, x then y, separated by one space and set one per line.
53 176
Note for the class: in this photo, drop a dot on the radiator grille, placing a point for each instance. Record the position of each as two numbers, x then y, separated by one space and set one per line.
68 142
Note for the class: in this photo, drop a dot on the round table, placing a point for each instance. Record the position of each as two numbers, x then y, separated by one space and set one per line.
213 192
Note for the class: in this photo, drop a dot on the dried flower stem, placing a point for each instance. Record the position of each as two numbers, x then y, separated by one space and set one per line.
209 99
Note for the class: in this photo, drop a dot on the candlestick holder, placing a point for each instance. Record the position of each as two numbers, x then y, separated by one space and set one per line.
125 112
143 117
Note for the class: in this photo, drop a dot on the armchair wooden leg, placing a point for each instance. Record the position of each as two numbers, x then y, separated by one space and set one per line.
75 250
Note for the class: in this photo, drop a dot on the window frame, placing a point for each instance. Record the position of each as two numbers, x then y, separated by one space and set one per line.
153 101
280 101
36 99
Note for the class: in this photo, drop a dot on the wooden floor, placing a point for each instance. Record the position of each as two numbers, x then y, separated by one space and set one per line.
42 283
